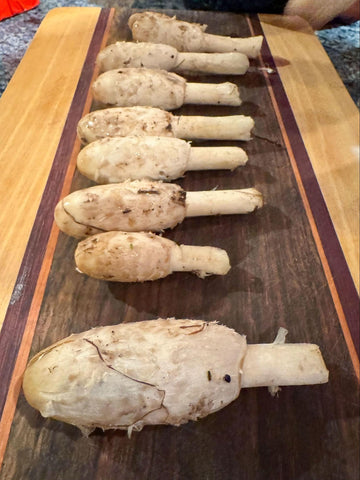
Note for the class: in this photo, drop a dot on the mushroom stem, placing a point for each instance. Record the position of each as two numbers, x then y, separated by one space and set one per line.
231 127
249 46
226 93
223 202
229 63
201 260
214 158
272 365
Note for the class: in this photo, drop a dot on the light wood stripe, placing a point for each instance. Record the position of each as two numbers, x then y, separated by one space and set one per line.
324 261
23 352
38 120
333 149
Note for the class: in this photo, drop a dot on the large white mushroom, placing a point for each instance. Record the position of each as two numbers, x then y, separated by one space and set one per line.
165 57
143 256
129 87
124 121
140 205
116 159
163 371
188 37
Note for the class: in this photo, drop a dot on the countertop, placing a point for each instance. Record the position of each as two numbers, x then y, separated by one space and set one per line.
341 42
294 261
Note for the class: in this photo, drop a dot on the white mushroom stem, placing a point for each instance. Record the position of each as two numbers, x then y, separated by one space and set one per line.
232 127
202 260
230 63
214 158
249 46
272 365
226 93
223 202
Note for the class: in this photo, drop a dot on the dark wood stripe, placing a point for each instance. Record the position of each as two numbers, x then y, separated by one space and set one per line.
16 316
336 260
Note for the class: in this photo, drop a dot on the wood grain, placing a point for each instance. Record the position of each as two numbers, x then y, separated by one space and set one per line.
21 316
336 268
33 111
277 279
328 120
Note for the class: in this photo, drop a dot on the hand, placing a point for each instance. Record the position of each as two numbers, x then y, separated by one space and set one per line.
319 12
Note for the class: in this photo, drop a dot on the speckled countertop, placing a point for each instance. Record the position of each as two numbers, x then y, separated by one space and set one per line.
341 43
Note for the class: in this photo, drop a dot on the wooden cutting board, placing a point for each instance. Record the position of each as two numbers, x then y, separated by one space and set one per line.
294 263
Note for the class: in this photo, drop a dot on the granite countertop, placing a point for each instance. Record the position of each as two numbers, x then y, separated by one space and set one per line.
341 42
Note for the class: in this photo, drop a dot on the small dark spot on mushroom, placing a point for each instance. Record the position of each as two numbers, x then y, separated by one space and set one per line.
192 332
127 210
227 378
209 375
179 197
143 190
